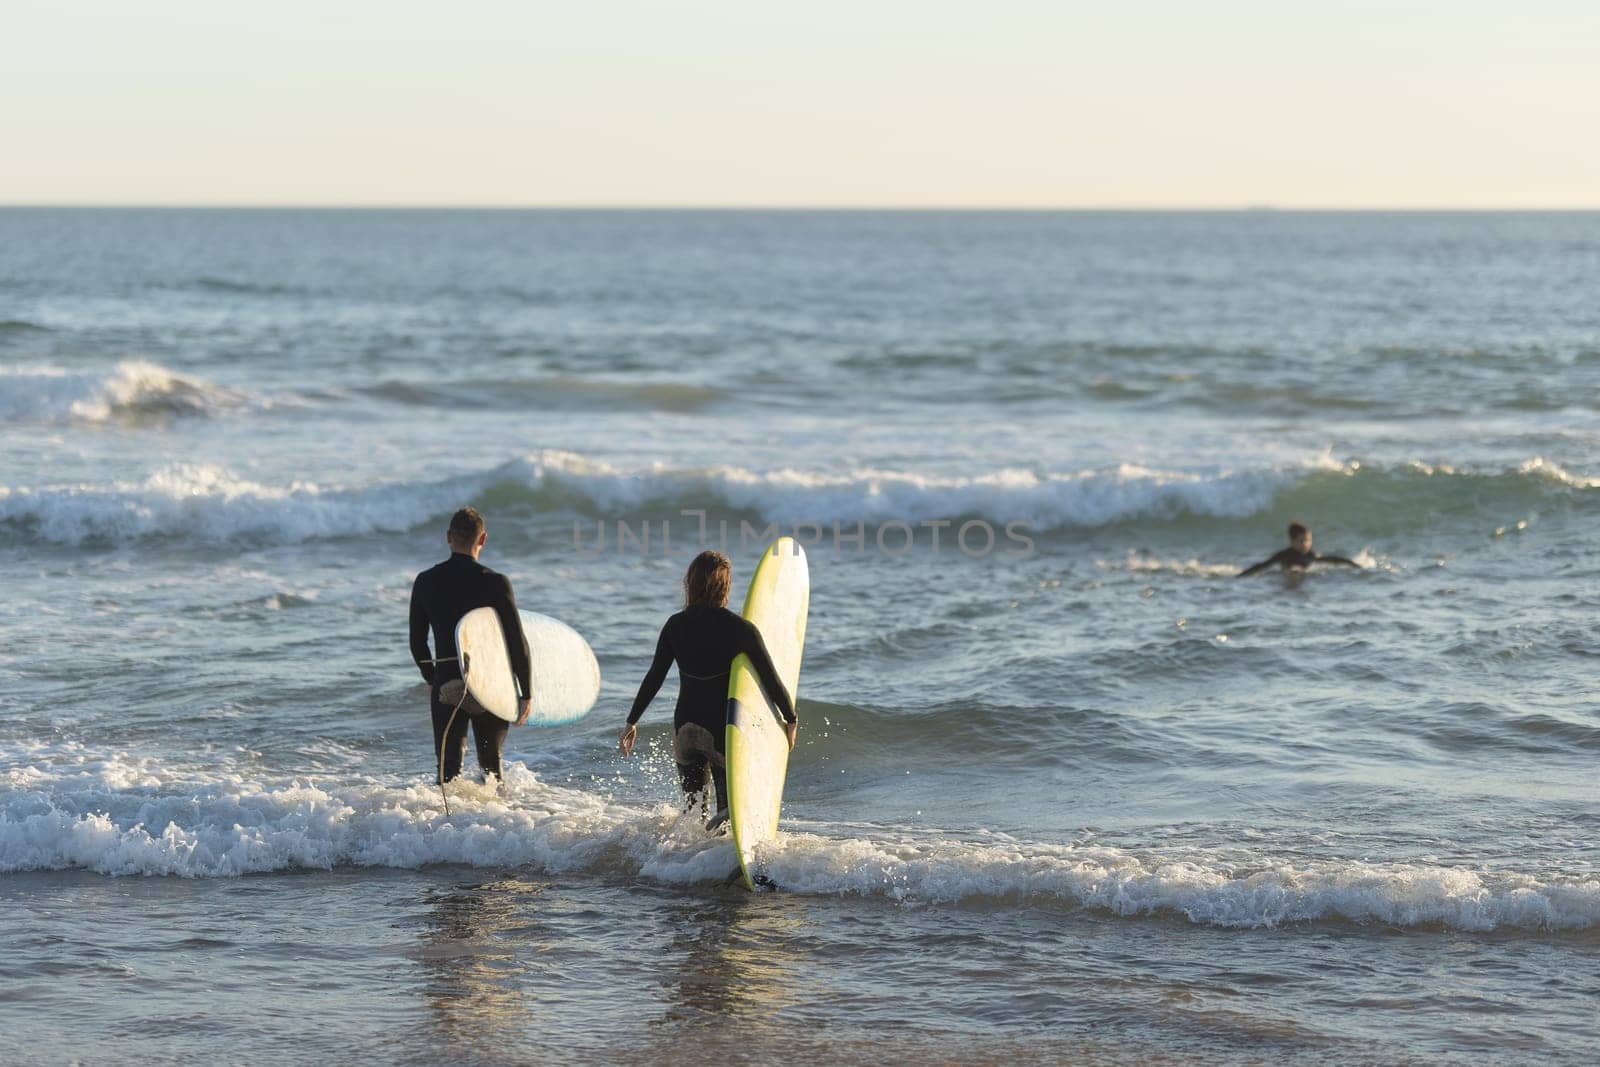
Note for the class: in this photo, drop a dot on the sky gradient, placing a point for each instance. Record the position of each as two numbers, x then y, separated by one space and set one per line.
1002 103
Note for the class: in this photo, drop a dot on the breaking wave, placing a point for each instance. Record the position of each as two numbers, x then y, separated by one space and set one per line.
124 816
205 503
132 390
210 504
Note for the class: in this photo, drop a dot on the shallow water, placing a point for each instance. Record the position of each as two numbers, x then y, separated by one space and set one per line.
1081 795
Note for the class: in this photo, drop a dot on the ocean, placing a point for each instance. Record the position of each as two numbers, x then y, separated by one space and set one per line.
1066 789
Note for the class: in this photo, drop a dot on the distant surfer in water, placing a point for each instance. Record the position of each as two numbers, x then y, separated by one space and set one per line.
704 638
1298 556
439 597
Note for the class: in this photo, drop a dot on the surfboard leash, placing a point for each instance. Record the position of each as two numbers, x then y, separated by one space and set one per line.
444 740
451 721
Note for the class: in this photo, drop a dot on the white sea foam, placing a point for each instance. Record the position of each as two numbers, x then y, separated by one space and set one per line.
122 815
129 389
1203 887
1138 563
1544 468
207 503
1088 497
210 503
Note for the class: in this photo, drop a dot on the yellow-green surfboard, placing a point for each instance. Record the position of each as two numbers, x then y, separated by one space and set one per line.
756 749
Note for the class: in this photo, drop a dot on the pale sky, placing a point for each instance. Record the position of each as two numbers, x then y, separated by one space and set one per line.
922 103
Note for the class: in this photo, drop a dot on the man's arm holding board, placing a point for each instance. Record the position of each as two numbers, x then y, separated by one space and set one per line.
516 648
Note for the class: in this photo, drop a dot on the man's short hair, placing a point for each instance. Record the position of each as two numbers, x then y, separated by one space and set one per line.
465 527
1295 530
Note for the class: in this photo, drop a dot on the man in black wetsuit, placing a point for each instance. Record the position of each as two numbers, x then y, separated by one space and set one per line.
439 597
704 638
1298 556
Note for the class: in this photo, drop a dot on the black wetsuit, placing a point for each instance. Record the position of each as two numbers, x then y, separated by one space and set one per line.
704 641
439 597
1292 558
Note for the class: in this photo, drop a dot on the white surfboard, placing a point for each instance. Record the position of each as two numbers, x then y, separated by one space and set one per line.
566 676
756 748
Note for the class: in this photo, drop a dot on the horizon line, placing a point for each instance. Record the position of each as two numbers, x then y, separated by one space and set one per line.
1249 208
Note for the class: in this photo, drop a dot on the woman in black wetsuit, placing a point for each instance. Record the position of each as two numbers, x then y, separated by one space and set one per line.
704 638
